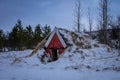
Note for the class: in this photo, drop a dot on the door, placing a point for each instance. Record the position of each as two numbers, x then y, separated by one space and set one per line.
54 54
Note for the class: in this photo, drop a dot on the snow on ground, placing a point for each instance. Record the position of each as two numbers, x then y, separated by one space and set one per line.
92 61
70 66
36 73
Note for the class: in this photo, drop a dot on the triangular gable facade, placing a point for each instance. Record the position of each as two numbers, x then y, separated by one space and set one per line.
55 45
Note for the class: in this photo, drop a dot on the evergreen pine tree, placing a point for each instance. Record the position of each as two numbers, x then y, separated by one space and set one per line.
29 37
46 30
16 37
37 34
13 38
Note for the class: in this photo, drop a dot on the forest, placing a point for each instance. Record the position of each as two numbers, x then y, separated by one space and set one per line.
21 38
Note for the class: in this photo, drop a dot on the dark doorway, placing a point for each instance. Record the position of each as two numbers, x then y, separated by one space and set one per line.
54 54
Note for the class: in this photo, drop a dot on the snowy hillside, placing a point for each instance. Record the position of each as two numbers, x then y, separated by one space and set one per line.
84 59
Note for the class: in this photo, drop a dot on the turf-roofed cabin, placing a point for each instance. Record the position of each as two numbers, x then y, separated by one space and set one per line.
55 44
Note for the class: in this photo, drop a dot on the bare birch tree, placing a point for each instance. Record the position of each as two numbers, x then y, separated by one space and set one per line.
78 15
103 15
90 21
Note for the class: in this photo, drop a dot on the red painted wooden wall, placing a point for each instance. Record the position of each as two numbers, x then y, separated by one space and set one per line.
55 43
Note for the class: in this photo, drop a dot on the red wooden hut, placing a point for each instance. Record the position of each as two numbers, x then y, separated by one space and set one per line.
55 45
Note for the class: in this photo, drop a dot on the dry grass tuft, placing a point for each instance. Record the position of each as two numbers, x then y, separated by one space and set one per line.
96 45
16 60
108 49
87 47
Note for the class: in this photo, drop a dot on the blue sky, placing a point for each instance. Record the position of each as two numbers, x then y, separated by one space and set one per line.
58 13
